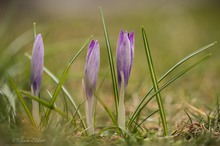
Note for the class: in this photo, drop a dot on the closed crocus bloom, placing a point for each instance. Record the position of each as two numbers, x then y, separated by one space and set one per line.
92 67
125 56
37 63
91 74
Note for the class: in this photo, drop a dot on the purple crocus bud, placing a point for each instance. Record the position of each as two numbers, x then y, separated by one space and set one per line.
91 74
37 63
92 67
125 56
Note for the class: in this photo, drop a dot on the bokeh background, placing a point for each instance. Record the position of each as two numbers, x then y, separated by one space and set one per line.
175 28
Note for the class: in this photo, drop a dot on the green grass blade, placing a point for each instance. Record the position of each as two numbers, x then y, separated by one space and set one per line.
62 79
106 108
147 117
21 100
181 73
41 101
111 62
155 83
69 97
167 73
46 104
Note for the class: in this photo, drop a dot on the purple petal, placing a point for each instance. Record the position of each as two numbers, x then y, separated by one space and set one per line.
125 56
37 63
121 36
92 67
90 48
131 38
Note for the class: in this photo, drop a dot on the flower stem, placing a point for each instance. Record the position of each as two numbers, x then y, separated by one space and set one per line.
89 115
121 105
35 109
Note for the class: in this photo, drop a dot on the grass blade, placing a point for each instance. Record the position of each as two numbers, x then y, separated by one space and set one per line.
155 83
171 81
147 117
21 100
46 104
111 62
167 73
69 97
62 80
106 108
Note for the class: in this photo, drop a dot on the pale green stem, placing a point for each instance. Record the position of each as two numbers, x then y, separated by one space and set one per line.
121 105
35 109
89 111
89 115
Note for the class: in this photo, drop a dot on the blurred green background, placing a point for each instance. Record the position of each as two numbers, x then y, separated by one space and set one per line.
175 28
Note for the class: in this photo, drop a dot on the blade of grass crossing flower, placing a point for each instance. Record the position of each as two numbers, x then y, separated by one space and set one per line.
155 83
42 102
172 80
167 73
62 79
50 95
102 102
46 104
21 100
106 108
70 98
75 113
111 62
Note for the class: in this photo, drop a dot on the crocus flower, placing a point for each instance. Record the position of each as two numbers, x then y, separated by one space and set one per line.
91 74
124 56
37 63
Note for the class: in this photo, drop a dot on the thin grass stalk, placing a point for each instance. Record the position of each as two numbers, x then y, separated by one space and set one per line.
69 97
21 100
147 117
167 73
155 83
106 108
46 104
172 80
111 62
63 78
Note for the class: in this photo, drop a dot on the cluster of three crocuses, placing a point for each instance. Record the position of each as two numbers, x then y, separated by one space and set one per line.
124 61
